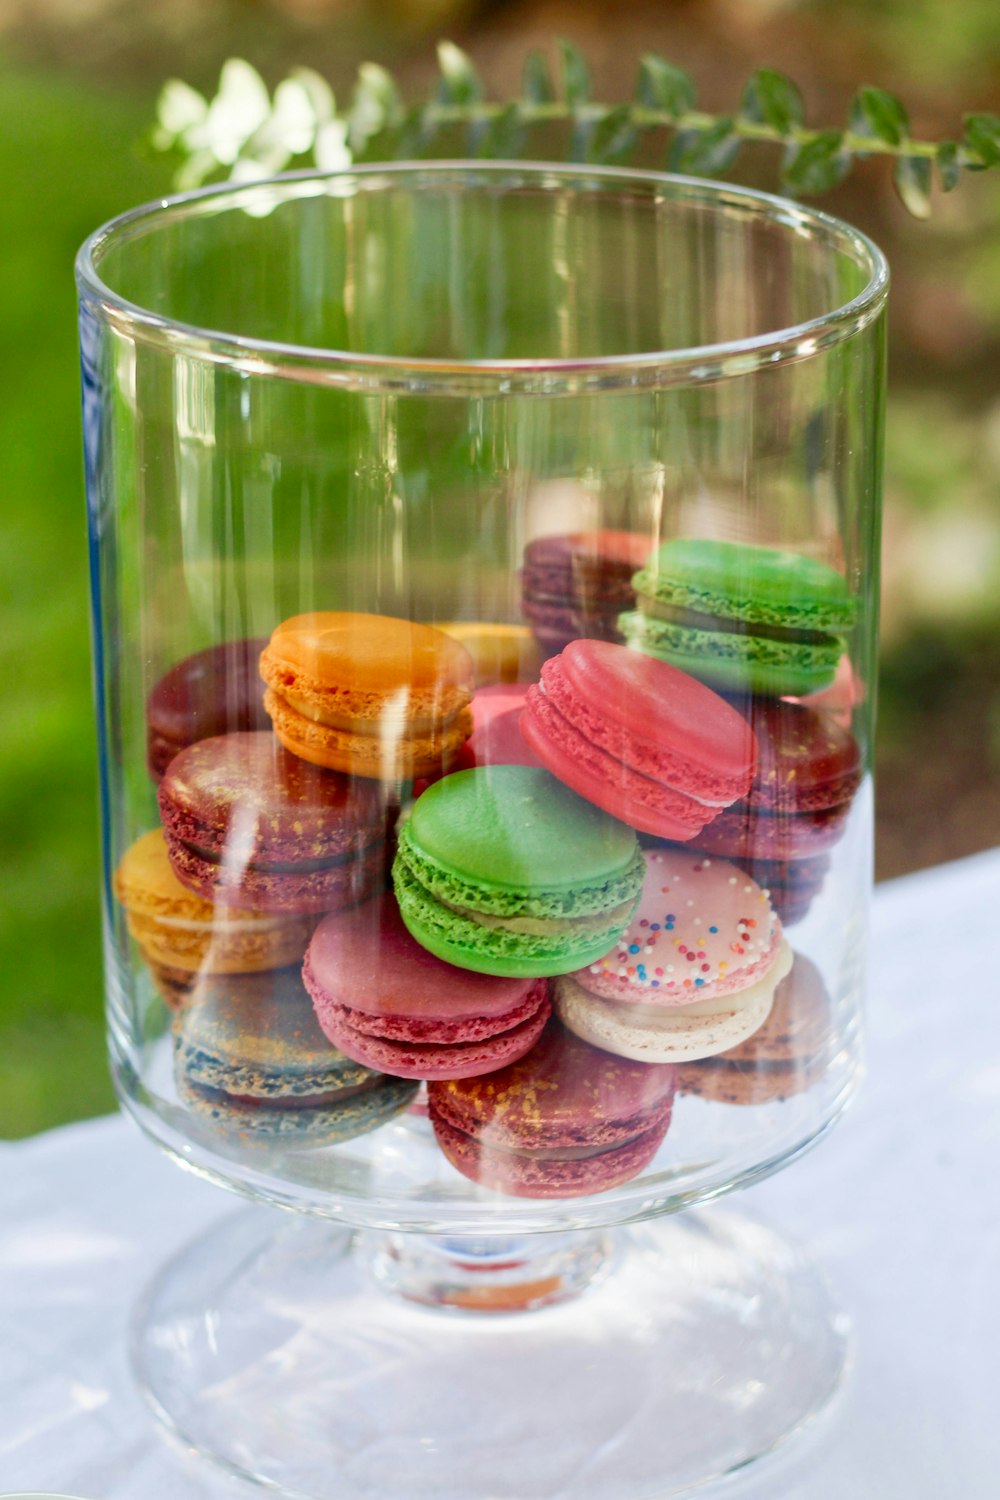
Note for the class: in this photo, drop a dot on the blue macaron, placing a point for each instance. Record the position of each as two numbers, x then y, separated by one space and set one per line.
251 1061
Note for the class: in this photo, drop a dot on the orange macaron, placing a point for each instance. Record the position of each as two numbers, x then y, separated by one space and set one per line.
370 695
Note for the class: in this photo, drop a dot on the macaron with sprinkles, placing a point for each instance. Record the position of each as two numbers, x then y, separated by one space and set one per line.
693 974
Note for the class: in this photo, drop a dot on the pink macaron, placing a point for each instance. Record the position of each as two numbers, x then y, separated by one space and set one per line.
639 738
703 928
496 738
566 1120
385 1001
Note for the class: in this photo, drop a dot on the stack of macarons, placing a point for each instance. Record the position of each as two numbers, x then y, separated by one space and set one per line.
396 860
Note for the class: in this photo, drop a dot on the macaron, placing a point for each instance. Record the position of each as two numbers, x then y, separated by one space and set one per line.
209 693
252 1063
564 1121
496 738
504 870
177 930
578 584
248 824
786 1056
808 770
792 885
638 738
369 695
500 653
693 974
742 617
385 1001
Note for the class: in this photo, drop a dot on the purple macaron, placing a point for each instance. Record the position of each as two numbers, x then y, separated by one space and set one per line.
212 692
566 1120
248 824
577 585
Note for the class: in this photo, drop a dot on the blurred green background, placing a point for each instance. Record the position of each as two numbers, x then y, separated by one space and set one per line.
78 85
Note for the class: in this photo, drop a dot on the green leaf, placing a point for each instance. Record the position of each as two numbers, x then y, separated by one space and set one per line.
879 114
949 166
705 153
661 85
501 138
459 83
982 136
818 164
575 74
912 176
613 136
414 133
772 99
536 84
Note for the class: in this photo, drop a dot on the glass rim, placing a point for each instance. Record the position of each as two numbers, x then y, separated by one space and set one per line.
696 364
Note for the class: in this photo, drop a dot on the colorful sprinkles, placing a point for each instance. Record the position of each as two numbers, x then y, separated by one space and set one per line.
727 930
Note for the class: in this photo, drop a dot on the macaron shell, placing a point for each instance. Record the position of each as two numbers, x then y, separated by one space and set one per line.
321 1124
563 1094
367 960
360 664
806 762
396 756
273 807
521 1176
176 929
341 883
212 692
657 719
744 833
496 738
786 1056
735 663
251 1060
428 1059
497 949
739 580
500 653
632 798
523 840
702 928
676 1034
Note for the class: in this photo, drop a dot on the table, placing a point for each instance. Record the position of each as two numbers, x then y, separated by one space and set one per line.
901 1206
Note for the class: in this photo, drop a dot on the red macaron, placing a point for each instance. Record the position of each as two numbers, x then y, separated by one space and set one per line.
808 770
566 1120
249 824
639 738
388 1003
212 692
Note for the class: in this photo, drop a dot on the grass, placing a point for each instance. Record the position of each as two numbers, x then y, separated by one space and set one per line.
67 161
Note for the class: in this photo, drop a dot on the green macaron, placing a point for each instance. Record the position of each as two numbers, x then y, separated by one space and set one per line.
741 617
504 870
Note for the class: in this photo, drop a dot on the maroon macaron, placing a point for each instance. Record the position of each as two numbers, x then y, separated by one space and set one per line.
249 824
388 1003
808 770
578 585
566 1120
212 692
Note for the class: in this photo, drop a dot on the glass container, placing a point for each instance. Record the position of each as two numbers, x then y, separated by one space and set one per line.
485 585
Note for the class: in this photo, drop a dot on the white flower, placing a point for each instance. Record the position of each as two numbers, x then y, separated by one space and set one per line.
331 149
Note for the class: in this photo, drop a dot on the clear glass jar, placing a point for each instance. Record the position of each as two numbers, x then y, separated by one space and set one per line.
617 434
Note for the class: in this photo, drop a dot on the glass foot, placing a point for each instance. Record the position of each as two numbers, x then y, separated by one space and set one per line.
306 1357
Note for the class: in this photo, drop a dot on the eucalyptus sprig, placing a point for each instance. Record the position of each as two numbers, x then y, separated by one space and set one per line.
244 132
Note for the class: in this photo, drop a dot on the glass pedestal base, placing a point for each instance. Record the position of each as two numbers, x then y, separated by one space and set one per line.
650 1361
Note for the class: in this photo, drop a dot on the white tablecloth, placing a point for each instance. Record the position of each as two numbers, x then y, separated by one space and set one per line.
901 1206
